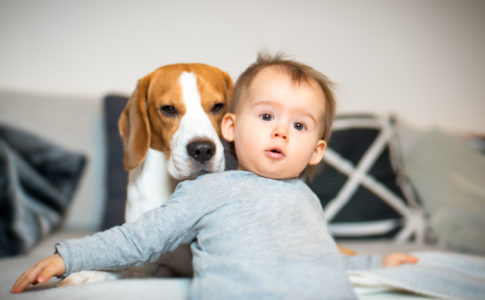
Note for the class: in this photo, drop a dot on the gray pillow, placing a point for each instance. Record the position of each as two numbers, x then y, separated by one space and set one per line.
449 176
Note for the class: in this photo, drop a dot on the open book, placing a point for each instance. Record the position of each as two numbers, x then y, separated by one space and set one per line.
439 275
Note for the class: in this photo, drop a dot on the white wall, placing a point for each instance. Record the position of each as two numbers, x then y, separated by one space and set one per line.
422 59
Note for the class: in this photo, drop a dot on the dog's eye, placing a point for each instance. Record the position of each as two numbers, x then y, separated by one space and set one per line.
217 108
169 110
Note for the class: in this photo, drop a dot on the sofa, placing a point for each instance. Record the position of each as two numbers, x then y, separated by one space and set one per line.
445 170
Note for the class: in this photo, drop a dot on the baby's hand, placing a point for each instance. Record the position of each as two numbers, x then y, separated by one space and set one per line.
397 259
40 273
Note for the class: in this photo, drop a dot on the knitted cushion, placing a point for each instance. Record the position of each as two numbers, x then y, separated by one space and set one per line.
362 185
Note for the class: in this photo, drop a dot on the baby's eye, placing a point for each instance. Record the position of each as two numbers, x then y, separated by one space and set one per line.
266 117
299 126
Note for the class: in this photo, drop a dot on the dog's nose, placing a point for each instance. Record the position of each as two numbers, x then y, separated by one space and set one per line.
201 151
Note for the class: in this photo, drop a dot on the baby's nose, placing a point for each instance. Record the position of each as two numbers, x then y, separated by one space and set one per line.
280 133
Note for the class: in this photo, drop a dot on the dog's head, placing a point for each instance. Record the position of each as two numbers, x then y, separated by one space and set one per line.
177 109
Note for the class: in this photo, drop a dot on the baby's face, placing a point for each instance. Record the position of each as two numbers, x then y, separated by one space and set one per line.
277 126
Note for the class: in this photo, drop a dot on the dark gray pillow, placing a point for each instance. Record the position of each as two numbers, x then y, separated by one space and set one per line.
116 176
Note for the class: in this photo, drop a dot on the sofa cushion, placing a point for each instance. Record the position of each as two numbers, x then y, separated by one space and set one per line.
362 186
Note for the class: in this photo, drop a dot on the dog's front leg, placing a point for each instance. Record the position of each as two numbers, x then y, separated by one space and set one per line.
89 277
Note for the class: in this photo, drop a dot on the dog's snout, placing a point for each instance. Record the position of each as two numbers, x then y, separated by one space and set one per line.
201 151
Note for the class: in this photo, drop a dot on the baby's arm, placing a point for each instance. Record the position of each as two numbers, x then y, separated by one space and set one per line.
40 273
156 232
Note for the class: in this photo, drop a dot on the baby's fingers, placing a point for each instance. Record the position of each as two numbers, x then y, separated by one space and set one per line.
397 259
402 258
40 273
27 278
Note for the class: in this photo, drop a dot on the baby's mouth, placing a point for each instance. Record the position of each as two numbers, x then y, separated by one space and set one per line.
275 153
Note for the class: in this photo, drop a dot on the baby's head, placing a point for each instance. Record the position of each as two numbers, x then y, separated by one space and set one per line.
280 118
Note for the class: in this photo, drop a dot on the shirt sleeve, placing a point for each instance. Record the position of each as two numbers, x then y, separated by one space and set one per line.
156 232
362 262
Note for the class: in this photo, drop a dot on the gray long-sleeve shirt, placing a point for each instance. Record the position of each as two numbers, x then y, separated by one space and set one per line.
251 238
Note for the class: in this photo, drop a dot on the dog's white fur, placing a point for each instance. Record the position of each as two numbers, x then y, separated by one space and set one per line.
148 185
151 183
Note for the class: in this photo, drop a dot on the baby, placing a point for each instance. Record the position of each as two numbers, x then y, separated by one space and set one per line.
256 232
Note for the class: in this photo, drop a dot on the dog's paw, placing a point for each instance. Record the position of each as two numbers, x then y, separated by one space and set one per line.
87 277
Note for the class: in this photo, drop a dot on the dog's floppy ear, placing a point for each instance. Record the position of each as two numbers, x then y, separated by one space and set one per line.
134 127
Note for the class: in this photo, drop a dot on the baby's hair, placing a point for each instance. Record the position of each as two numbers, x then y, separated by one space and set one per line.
299 73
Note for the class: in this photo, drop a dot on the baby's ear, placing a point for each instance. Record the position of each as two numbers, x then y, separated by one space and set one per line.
318 153
228 127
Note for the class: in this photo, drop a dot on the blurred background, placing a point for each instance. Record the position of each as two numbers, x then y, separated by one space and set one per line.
423 60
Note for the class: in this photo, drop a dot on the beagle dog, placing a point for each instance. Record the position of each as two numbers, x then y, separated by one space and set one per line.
170 129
